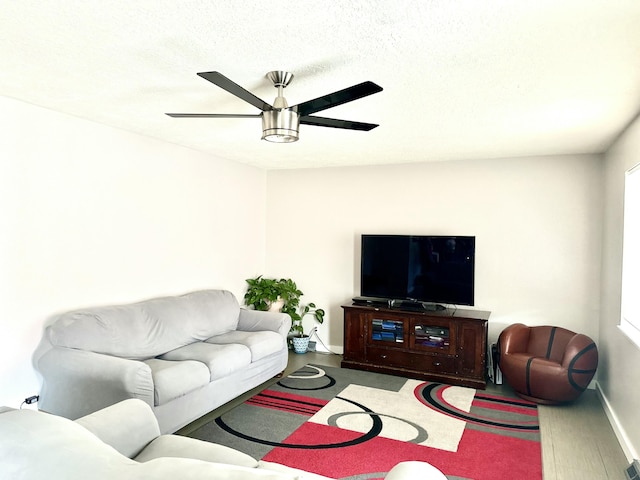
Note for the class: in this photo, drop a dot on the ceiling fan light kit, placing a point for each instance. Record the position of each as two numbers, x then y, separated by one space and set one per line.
281 123
280 126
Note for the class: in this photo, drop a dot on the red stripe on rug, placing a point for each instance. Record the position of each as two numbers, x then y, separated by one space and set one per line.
488 402
480 455
287 402
504 407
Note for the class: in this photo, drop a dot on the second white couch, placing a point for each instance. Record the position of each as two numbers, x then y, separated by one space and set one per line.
184 356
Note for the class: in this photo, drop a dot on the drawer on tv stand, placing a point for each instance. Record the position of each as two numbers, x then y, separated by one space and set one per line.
389 357
434 364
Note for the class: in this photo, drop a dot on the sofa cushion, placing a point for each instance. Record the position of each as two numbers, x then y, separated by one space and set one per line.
173 379
261 344
221 360
150 328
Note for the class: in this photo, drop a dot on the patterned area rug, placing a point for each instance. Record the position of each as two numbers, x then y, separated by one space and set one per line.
349 424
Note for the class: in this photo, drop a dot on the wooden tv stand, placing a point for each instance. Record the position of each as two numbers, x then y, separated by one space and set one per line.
447 346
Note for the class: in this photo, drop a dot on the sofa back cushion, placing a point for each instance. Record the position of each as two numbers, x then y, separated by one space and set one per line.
150 328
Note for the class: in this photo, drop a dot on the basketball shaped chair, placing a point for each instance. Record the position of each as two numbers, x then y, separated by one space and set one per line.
545 364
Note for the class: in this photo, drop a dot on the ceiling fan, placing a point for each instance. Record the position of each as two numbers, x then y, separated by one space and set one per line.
280 122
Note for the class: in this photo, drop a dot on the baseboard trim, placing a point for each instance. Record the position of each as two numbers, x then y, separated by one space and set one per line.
618 429
321 347
333 350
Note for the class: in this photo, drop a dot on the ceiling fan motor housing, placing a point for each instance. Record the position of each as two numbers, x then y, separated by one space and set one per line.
280 125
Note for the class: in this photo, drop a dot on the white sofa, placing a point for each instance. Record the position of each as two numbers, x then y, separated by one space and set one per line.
123 442
184 356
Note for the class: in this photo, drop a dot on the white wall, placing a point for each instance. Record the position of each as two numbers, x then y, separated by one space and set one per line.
91 215
94 215
537 223
619 369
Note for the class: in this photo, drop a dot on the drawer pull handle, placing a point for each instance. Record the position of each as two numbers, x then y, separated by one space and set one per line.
383 356
436 364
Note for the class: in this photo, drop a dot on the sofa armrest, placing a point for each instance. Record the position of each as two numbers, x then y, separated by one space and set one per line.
257 320
186 447
78 382
128 426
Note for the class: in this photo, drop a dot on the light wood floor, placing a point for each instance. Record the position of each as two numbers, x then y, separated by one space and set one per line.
578 442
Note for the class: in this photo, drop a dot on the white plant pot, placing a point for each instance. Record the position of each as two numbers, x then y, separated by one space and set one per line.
300 344
276 306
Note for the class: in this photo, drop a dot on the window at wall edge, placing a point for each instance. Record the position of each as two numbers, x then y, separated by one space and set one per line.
630 303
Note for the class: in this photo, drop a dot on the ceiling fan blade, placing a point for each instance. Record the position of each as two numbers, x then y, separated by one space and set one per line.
212 115
335 123
223 82
338 98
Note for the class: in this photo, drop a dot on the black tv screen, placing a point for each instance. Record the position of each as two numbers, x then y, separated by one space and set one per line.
421 268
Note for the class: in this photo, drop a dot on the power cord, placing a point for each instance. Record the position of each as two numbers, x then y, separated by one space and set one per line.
314 332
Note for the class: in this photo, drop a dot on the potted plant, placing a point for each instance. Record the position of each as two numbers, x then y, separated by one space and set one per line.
263 293
299 339
269 293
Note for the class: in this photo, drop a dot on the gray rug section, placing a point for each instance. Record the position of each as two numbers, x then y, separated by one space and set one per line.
274 427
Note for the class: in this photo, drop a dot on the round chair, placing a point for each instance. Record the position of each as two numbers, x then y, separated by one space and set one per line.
545 364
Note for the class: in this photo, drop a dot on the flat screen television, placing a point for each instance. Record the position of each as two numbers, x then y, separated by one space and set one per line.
418 268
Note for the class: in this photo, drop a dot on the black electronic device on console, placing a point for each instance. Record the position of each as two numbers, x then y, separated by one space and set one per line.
371 301
417 271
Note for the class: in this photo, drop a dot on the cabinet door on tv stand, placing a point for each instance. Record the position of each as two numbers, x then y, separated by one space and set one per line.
471 349
386 330
354 335
433 335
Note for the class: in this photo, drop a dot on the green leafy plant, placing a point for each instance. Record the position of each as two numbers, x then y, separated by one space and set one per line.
263 292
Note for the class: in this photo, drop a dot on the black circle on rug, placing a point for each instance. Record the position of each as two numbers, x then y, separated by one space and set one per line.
428 394
320 374
375 430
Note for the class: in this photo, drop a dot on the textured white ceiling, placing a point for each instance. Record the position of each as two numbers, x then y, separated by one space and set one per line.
461 78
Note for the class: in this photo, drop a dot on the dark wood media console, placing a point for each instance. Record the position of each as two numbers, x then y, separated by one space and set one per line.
448 346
